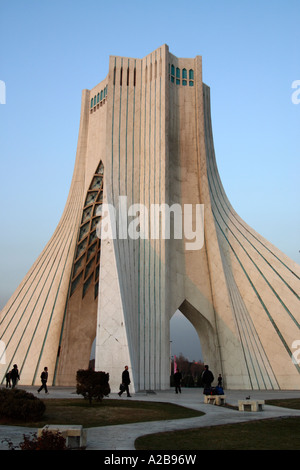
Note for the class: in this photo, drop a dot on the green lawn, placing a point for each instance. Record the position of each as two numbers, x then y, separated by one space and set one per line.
105 413
267 434
293 403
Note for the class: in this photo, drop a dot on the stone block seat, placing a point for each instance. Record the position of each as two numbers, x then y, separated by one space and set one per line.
75 435
215 399
251 405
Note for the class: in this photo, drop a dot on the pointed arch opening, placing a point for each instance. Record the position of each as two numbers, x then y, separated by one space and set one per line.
184 338
185 351
192 345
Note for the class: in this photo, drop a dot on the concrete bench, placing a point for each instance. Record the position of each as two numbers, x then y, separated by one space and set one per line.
251 405
215 399
75 435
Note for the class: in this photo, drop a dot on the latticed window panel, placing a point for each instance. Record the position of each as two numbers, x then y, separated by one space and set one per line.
85 272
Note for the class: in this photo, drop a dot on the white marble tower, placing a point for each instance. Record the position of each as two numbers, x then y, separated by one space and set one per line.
145 140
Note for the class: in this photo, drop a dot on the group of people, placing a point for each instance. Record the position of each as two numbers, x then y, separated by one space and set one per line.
13 376
207 379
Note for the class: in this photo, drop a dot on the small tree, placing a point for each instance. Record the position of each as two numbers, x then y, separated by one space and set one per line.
92 384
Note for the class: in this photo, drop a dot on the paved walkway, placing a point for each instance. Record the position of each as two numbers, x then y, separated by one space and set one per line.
122 437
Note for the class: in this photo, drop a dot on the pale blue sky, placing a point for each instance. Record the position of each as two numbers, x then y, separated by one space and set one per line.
51 50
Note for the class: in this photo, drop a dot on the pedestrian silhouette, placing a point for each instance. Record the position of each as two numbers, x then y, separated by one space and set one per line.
44 379
14 375
177 381
207 379
125 382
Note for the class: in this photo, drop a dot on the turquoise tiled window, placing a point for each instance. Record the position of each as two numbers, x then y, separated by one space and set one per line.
183 74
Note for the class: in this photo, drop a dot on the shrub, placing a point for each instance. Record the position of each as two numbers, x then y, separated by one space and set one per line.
92 384
20 405
47 441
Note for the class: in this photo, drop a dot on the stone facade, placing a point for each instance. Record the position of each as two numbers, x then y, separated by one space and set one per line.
145 133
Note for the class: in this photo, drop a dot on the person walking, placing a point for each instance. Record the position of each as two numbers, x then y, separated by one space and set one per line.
14 375
125 382
177 381
44 379
7 378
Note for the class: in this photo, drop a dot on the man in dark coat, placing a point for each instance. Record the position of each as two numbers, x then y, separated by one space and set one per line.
125 382
207 378
14 375
44 378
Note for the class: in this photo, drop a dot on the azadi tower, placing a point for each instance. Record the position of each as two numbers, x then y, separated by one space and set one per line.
145 140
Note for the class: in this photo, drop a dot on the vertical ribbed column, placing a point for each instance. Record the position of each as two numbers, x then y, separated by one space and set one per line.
135 180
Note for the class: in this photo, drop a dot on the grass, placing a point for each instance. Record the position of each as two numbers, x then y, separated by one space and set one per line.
266 434
105 413
293 403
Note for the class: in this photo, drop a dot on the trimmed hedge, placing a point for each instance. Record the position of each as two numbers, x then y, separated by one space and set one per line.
92 384
20 405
